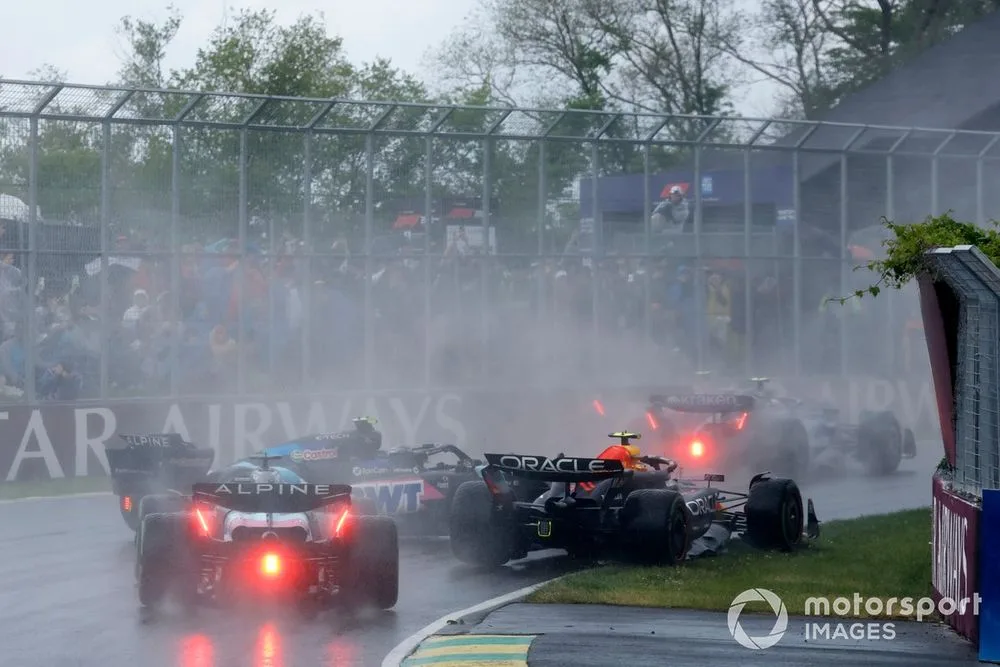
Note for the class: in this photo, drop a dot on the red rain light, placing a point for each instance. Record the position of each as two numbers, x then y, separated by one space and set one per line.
741 420
599 407
270 565
127 503
651 420
697 449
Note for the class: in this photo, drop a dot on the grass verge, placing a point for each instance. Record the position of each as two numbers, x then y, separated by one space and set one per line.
879 556
54 487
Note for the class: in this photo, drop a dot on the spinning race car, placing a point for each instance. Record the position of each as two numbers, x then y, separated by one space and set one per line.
620 505
253 535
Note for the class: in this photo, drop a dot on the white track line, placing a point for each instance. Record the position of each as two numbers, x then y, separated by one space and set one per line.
64 496
407 646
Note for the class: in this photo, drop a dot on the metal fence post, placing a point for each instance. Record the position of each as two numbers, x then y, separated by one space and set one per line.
428 273
597 255
31 339
241 272
176 256
647 244
484 268
797 266
305 296
842 329
369 356
700 291
748 319
105 324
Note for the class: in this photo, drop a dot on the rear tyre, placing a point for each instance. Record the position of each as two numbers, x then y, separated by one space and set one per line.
372 573
880 443
130 515
774 514
163 565
655 525
160 503
476 537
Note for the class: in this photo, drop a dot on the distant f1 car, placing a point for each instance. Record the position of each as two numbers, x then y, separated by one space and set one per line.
155 463
268 538
621 505
763 431
405 482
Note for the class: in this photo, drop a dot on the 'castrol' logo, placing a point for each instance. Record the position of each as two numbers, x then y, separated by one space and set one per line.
307 455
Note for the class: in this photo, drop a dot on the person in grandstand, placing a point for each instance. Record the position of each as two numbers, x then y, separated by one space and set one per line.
673 213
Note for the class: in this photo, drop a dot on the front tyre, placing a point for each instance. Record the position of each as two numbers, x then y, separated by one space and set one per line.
774 515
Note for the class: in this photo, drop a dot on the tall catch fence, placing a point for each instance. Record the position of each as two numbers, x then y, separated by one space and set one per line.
163 243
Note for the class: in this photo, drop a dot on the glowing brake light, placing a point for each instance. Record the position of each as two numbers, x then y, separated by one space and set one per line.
651 420
127 503
599 407
341 522
202 522
270 565
697 449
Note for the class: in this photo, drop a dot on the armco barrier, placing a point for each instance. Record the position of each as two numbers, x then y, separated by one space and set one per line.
53 440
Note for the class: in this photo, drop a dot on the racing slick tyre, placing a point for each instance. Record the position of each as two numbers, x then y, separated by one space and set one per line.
372 572
880 442
655 522
476 537
774 514
163 565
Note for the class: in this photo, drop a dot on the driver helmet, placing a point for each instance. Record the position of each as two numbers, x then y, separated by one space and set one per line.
269 476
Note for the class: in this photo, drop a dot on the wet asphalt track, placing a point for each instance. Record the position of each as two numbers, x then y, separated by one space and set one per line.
67 597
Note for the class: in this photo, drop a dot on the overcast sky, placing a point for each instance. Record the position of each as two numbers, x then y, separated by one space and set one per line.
79 37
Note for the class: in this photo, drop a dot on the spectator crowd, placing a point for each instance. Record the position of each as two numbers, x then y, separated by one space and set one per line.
254 322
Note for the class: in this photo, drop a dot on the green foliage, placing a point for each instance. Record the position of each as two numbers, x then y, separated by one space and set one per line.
906 251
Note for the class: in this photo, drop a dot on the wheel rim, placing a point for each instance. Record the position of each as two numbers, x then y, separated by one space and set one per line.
792 522
678 536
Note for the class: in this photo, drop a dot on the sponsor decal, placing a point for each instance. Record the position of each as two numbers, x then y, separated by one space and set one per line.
164 440
374 470
708 401
396 496
308 455
559 465
318 490
703 506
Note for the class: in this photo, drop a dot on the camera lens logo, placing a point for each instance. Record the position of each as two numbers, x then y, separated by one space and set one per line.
777 606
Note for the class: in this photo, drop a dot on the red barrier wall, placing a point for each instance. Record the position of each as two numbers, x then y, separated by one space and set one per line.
955 572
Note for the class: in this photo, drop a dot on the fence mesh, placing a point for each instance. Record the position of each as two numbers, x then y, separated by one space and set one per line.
976 282
168 243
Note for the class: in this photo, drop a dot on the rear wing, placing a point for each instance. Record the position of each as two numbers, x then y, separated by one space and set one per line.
558 469
145 455
271 498
704 403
